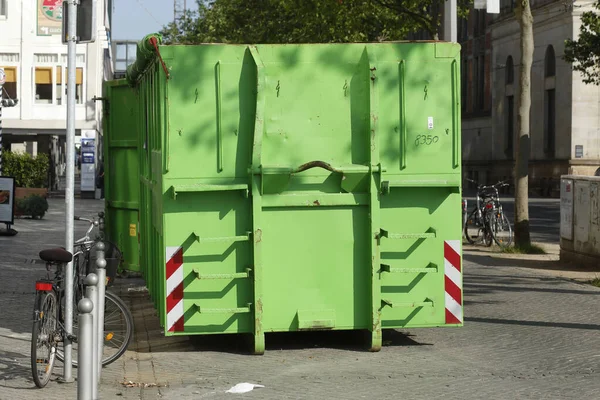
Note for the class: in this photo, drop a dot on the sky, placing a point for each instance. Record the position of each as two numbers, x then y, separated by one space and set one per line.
132 19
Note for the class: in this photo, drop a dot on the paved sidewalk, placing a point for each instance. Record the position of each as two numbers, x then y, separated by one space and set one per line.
548 264
527 335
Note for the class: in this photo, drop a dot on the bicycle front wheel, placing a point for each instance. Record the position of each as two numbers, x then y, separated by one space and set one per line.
118 330
44 337
501 230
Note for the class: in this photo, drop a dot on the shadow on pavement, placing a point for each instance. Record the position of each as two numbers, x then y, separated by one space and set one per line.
479 288
523 262
356 340
533 323
10 368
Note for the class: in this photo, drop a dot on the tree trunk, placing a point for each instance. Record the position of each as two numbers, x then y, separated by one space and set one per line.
525 19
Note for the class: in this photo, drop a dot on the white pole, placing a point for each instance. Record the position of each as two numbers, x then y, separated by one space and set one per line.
70 190
450 33
101 293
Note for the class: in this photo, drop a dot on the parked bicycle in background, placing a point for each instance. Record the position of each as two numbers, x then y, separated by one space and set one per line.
487 222
49 309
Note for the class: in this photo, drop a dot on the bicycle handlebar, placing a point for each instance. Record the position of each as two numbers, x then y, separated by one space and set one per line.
494 186
92 223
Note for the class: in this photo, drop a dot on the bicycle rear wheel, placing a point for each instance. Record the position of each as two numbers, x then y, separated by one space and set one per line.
474 229
43 338
501 229
118 330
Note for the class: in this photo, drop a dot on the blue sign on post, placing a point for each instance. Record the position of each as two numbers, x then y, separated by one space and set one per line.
87 158
88 168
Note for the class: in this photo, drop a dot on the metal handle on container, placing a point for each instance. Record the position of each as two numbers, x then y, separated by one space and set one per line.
316 164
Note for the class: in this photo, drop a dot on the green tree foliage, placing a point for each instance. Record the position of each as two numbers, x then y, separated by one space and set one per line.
305 21
584 52
423 15
28 171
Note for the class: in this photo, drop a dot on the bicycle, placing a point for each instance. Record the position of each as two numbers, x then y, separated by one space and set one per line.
118 321
487 222
49 313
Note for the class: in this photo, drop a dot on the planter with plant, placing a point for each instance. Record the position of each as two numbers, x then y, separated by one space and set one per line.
34 206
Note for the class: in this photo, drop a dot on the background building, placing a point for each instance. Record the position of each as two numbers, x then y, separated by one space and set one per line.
476 55
32 54
565 113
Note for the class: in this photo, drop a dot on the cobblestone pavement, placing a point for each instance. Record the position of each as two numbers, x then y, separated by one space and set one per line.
527 335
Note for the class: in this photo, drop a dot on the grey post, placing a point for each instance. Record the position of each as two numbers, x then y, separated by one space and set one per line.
101 224
70 190
91 292
101 271
85 334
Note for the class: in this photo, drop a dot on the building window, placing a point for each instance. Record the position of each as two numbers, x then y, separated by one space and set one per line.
507 6
51 79
43 85
10 86
550 62
550 121
510 126
464 83
550 102
509 76
479 70
509 123
463 29
61 85
480 22
3 9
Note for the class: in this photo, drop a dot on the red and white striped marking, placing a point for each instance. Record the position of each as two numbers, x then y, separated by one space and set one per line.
453 282
174 289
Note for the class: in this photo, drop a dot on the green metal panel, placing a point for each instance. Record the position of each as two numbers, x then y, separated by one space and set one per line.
121 172
292 187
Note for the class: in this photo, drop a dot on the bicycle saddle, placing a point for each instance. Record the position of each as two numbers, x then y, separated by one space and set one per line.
57 255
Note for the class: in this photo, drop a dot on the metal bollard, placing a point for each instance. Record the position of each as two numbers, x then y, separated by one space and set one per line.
101 271
101 223
85 349
91 292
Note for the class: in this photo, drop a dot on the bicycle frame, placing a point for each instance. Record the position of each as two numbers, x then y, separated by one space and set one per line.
55 285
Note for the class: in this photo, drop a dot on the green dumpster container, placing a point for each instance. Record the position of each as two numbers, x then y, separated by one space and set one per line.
121 166
300 187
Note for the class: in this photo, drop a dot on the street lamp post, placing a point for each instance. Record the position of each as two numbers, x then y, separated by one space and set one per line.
70 190
450 31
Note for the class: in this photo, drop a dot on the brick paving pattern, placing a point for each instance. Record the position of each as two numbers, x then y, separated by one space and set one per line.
528 335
